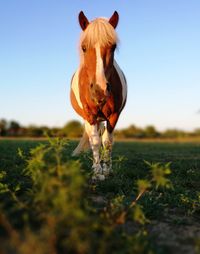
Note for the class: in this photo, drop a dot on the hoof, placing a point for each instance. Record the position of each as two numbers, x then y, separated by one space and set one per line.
101 177
97 169
106 169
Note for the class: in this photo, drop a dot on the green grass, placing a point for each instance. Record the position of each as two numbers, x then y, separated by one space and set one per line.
173 214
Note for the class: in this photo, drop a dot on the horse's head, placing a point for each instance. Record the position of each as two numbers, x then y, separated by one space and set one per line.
97 45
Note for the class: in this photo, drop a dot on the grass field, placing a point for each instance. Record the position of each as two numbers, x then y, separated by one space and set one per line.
29 216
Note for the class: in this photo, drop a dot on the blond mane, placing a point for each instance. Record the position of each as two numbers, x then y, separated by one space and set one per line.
99 31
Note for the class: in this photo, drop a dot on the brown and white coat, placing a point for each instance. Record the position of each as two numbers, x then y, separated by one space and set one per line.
98 88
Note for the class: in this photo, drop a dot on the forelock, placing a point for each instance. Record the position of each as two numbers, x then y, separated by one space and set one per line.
99 31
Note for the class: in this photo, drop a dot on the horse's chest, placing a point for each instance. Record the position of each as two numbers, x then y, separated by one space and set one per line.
106 109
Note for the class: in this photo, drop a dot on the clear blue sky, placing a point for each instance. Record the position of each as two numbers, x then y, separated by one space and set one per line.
159 52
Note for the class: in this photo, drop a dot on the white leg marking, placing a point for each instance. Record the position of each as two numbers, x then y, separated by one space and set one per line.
107 141
95 143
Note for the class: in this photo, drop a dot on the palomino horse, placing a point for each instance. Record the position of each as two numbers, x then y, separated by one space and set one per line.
98 89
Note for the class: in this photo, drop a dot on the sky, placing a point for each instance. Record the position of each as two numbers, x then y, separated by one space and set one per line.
159 52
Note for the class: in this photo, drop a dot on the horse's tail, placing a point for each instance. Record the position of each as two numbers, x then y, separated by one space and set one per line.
83 144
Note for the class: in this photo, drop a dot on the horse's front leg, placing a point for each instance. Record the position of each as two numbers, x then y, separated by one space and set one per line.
95 143
107 141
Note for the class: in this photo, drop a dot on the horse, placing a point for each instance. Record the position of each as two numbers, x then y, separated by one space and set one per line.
98 90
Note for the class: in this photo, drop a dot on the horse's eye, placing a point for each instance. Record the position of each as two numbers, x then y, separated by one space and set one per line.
84 48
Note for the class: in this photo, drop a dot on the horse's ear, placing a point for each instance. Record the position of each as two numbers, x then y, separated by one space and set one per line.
114 19
83 21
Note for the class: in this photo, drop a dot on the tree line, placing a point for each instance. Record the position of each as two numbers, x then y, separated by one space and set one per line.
74 129
13 128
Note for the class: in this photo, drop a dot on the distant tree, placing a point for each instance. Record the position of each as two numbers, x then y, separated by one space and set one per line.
3 127
73 129
197 132
14 128
131 132
55 131
22 131
174 133
151 132
44 130
34 131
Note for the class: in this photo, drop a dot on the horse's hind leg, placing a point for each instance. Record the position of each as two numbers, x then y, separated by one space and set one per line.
95 143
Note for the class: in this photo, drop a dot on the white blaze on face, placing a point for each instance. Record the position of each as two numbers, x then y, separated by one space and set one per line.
100 74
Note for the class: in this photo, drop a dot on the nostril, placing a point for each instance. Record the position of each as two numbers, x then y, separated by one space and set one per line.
91 85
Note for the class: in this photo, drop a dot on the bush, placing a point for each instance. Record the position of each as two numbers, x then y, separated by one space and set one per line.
53 212
73 129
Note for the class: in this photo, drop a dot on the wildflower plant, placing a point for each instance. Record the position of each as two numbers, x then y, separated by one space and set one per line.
58 215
